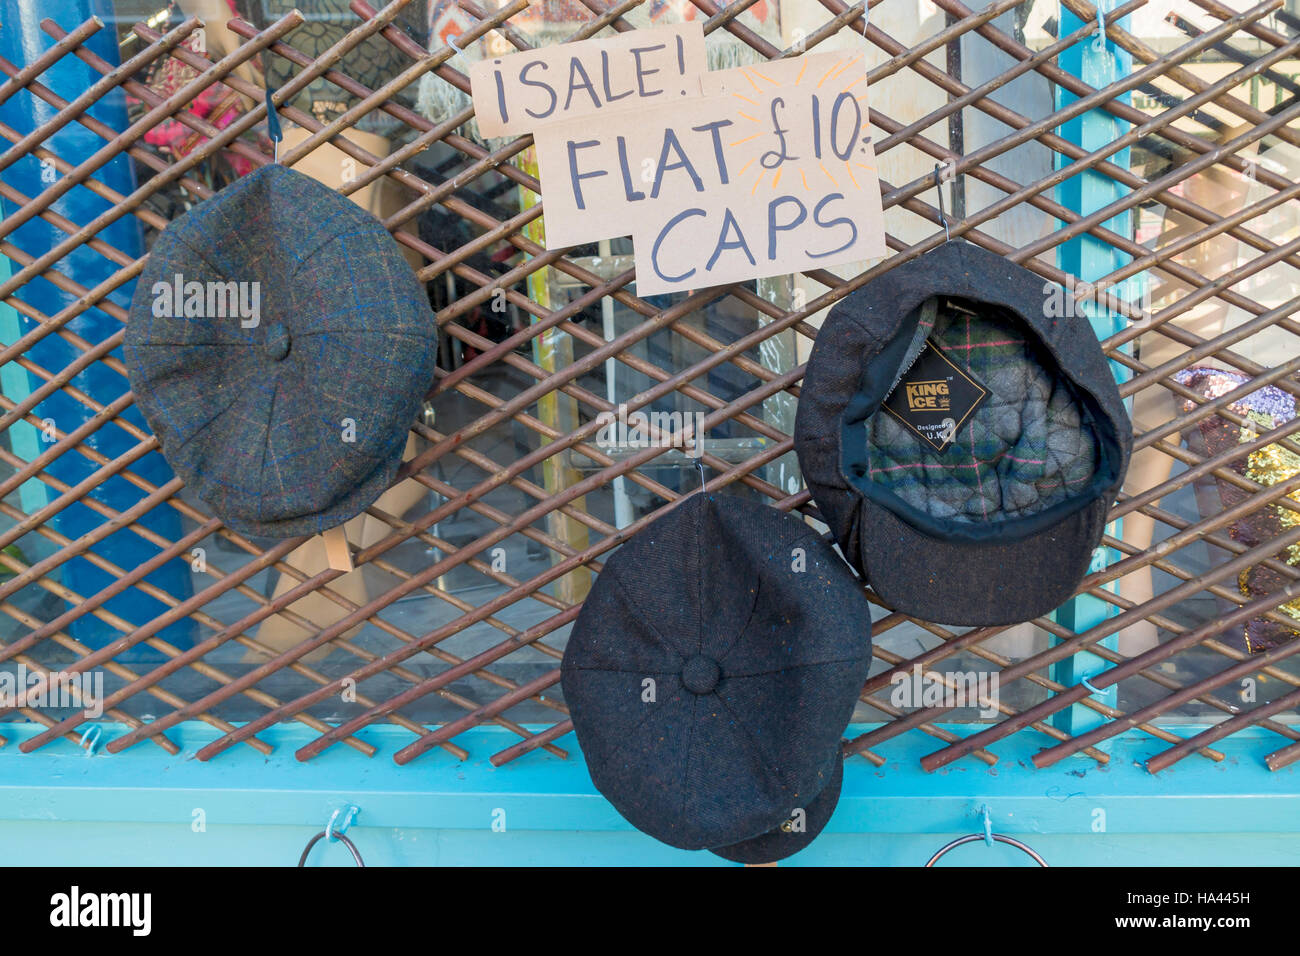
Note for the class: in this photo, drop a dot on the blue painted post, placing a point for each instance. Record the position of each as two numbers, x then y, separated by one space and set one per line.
1098 63
21 41
16 384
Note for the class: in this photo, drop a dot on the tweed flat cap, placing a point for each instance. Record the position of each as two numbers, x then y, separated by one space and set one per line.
794 833
280 346
962 439
711 674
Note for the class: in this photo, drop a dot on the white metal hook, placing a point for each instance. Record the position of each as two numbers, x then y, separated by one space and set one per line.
943 216
90 739
333 832
1099 41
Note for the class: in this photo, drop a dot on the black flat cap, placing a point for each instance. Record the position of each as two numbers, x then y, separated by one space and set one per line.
794 833
711 674
962 437
280 346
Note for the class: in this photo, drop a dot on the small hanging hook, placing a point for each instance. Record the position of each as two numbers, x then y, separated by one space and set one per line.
336 828
451 42
866 17
273 123
90 739
1099 41
943 216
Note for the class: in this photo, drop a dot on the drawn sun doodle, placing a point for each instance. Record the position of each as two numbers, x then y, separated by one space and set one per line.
836 115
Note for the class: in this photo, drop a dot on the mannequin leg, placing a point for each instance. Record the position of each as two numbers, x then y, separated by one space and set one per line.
331 166
1222 192
278 632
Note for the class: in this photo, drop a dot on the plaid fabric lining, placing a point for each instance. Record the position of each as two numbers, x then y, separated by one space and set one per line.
1022 451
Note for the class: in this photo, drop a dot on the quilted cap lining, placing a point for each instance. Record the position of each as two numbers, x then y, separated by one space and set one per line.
1025 449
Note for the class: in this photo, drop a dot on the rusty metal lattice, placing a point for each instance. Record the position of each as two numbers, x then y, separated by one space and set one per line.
505 471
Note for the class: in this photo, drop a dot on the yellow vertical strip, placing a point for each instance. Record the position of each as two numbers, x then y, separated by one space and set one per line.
553 350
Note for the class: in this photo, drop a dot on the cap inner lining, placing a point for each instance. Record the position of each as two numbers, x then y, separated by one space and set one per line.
1030 455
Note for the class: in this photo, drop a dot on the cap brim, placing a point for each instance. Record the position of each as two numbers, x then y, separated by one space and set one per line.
778 844
979 583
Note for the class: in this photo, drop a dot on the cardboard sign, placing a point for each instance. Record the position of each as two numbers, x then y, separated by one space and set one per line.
521 92
791 71
769 172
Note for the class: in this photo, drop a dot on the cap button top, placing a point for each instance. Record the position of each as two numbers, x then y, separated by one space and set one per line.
700 674
276 343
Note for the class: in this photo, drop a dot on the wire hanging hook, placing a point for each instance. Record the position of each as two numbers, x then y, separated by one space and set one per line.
1099 40
349 813
997 838
273 129
352 848
943 216
90 739
451 42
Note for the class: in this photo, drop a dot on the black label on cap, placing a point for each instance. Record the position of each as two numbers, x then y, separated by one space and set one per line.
935 397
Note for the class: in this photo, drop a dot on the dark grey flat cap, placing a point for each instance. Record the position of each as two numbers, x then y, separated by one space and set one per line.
794 833
280 346
712 672
962 438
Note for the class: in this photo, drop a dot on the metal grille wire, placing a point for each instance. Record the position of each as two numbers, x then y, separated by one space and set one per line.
508 465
